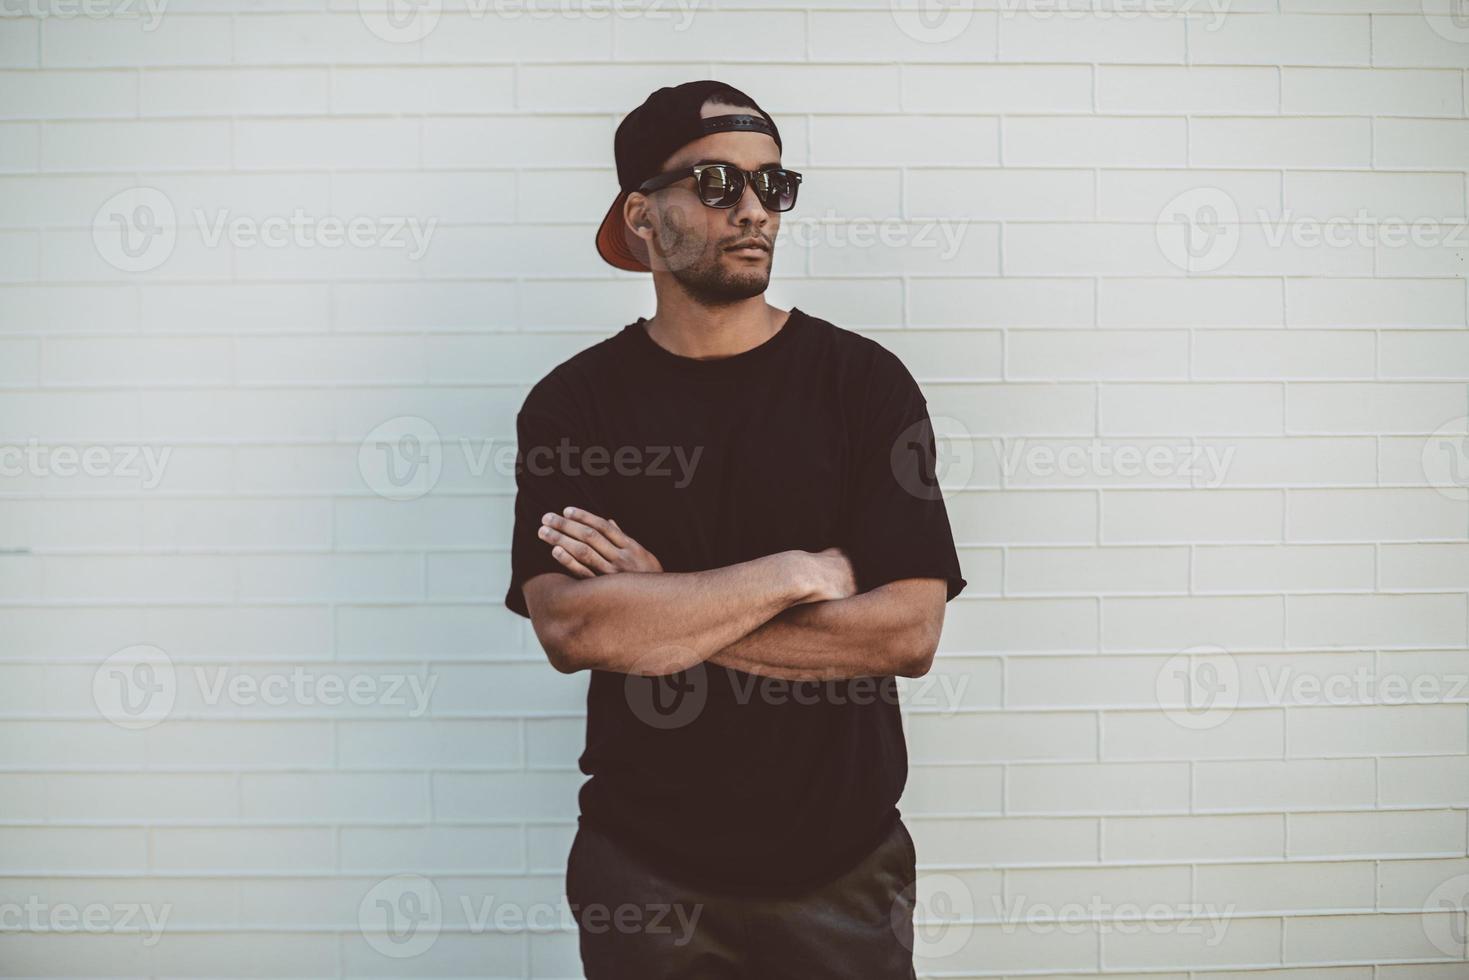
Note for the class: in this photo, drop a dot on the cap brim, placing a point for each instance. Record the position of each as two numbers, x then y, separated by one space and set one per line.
617 244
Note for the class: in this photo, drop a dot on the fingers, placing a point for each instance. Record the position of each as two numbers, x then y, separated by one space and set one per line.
584 552
572 565
604 526
579 541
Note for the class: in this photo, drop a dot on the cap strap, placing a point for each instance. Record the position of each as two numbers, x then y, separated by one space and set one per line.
721 124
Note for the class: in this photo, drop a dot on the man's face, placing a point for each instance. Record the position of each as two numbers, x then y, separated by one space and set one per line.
695 243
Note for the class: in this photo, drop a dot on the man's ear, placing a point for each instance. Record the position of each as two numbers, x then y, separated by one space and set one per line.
636 211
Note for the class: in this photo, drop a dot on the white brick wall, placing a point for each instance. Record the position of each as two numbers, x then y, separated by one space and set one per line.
1096 239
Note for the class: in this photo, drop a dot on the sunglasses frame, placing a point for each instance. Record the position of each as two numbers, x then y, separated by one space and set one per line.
746 177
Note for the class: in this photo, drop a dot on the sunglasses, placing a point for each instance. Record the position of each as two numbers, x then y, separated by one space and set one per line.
721 185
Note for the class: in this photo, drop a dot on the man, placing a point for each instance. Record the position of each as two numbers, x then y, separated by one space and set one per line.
728 513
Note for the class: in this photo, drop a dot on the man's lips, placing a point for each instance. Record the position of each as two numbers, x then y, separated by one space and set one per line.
749 247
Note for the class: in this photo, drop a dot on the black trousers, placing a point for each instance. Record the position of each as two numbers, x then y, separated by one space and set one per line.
635 924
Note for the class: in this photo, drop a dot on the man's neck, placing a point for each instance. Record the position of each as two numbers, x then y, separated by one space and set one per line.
705 334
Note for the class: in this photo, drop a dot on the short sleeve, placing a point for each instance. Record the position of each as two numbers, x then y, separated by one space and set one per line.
546 479
899 522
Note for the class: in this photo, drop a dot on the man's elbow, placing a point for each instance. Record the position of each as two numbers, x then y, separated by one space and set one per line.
916 651
562 653
557 639
557 623
915 663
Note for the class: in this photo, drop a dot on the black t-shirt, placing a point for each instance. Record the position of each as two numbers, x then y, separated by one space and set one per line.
817 437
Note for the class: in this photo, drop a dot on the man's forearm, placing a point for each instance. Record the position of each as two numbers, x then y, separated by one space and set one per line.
892 629
659 623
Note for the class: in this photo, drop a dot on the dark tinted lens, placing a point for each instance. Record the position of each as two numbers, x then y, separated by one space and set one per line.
777 189
720 187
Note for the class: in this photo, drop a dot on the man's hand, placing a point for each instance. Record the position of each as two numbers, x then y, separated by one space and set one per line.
834 575
588 545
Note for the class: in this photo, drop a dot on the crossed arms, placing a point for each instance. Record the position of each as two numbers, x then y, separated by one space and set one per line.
795 615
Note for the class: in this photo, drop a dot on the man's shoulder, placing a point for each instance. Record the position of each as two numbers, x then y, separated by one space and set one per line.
559 387
865 357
